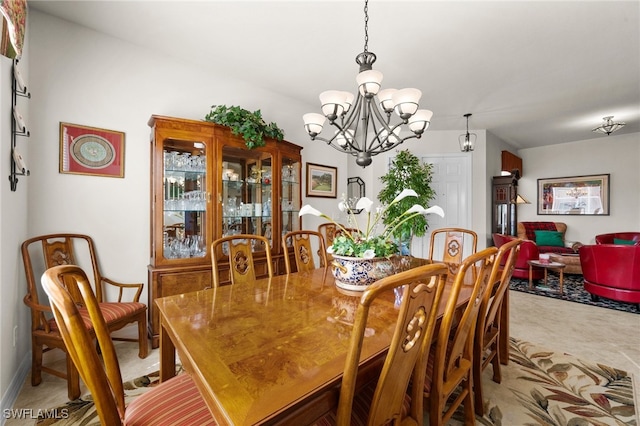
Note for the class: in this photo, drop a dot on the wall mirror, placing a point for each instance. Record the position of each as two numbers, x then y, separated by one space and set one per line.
355 191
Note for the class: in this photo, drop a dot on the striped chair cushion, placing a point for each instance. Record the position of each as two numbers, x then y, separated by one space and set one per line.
360 408
176 402
110 311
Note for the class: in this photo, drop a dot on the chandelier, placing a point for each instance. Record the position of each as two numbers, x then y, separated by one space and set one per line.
576 192
467 140
608 126
364 127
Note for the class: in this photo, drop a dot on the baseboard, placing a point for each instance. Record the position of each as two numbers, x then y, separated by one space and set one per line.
10 397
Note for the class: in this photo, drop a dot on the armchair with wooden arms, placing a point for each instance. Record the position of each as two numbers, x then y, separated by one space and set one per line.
43 252
176 401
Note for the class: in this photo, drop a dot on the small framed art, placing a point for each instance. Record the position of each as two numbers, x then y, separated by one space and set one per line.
88 150
321 181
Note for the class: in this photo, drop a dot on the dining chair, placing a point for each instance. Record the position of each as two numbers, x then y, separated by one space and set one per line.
42 252
239 249
175 401
390 399
301 242
329 232
453 242
450 361
486 347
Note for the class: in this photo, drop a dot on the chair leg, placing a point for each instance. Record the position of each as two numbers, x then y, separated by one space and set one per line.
73 380
477 385
497 374
36 363
469 411
143 342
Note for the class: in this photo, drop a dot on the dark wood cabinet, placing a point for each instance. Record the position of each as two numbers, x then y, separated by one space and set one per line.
205 184
504 214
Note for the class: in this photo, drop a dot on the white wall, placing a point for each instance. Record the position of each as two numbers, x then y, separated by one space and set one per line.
616 155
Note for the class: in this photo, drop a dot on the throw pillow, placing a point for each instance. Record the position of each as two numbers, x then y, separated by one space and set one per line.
549 238
623 242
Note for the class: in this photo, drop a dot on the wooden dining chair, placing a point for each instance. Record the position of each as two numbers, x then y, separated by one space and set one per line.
457 243
450 361
486 347
42 252
329 232
301 242
239 250
175 401
390 399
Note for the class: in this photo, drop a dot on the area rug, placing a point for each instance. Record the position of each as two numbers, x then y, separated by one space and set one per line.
573 291
539 387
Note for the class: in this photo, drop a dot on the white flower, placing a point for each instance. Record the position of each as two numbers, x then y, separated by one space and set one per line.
404 194
342 206
307 209
330 249
364 203
369 254
416 208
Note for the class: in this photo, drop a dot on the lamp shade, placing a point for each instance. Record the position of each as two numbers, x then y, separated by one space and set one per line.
332 102
419 122
385 98
406 102
369 82
313 123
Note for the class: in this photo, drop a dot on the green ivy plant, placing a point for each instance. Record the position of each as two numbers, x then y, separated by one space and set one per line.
250 125
406 172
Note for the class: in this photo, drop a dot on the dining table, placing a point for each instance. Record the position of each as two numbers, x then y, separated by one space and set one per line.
273 351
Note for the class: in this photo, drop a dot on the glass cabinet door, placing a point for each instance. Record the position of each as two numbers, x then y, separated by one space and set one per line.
185 199
290 197
247 196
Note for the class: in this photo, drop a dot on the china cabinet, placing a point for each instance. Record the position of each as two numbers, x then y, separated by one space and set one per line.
206 184
505 214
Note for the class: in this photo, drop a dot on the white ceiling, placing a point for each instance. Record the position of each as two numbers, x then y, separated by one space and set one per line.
533 73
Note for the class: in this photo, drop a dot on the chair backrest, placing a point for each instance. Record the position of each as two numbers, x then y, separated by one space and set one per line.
498 284
330 231
301 243
422 289
453 356
43 252
103 380
239 249
453 242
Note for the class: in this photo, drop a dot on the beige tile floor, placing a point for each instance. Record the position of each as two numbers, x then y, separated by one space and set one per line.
588 332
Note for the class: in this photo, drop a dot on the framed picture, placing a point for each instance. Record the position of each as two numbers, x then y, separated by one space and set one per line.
321 181
576 195
91 151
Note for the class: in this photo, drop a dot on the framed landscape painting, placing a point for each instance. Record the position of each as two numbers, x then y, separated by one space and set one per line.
321 181
91 151
576 195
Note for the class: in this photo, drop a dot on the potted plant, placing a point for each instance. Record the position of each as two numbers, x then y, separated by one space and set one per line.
406 172
250 125
363 255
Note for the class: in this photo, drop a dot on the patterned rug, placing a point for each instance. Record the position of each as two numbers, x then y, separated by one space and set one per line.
539 387
573 290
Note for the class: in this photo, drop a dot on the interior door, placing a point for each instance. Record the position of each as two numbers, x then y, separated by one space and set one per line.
451 181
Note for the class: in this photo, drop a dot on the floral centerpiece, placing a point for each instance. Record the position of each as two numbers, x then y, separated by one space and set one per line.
363 256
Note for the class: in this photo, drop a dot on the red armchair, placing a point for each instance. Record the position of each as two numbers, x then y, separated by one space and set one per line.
608 238
528 251
612 271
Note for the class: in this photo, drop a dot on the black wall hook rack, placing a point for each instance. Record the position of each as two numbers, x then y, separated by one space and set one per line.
18 127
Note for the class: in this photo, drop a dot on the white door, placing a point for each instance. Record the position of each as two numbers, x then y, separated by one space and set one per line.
451 181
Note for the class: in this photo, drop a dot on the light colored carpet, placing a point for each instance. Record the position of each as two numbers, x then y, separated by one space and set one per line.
539 387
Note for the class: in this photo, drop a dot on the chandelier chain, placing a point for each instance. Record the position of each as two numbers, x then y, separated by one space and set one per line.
366 26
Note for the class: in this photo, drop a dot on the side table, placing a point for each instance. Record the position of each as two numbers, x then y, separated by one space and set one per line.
554 266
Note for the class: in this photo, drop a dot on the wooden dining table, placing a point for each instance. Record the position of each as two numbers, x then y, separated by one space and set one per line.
272 352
